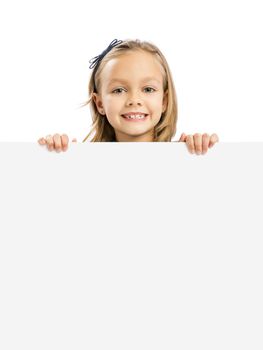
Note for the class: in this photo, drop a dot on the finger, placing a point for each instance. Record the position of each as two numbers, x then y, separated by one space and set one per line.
74 140
198 143
57 142
213 139
64 142
182 138
42 141
205 143
50 142
190 143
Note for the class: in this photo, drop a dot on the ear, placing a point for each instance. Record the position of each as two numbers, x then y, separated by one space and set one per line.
98 102
165 101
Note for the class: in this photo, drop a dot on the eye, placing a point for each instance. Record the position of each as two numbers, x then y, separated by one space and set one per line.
116 91
148 87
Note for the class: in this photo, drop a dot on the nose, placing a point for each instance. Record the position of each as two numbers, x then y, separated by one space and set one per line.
134 100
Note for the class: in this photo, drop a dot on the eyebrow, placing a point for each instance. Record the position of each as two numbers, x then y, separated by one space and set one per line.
143 80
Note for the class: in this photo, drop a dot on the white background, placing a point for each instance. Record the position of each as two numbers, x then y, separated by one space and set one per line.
214 49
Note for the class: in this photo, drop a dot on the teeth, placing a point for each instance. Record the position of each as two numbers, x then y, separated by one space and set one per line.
137 116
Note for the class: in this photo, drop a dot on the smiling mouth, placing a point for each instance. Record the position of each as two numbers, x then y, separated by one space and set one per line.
138 118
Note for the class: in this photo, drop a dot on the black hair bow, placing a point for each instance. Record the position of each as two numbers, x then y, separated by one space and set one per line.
95 60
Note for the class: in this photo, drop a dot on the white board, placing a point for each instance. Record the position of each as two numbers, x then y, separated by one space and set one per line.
131 246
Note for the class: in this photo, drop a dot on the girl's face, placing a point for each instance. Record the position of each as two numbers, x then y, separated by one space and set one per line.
132 84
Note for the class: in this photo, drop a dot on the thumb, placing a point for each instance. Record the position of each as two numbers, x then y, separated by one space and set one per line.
182 138
74 140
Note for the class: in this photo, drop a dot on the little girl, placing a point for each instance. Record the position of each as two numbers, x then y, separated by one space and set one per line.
133 99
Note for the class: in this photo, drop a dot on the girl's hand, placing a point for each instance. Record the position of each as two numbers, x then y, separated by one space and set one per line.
56 142
198 143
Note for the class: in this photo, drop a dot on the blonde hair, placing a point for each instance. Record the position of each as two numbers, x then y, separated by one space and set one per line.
166 127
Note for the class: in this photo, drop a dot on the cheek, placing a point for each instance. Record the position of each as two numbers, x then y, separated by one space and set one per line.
112 106
158 104
112 103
